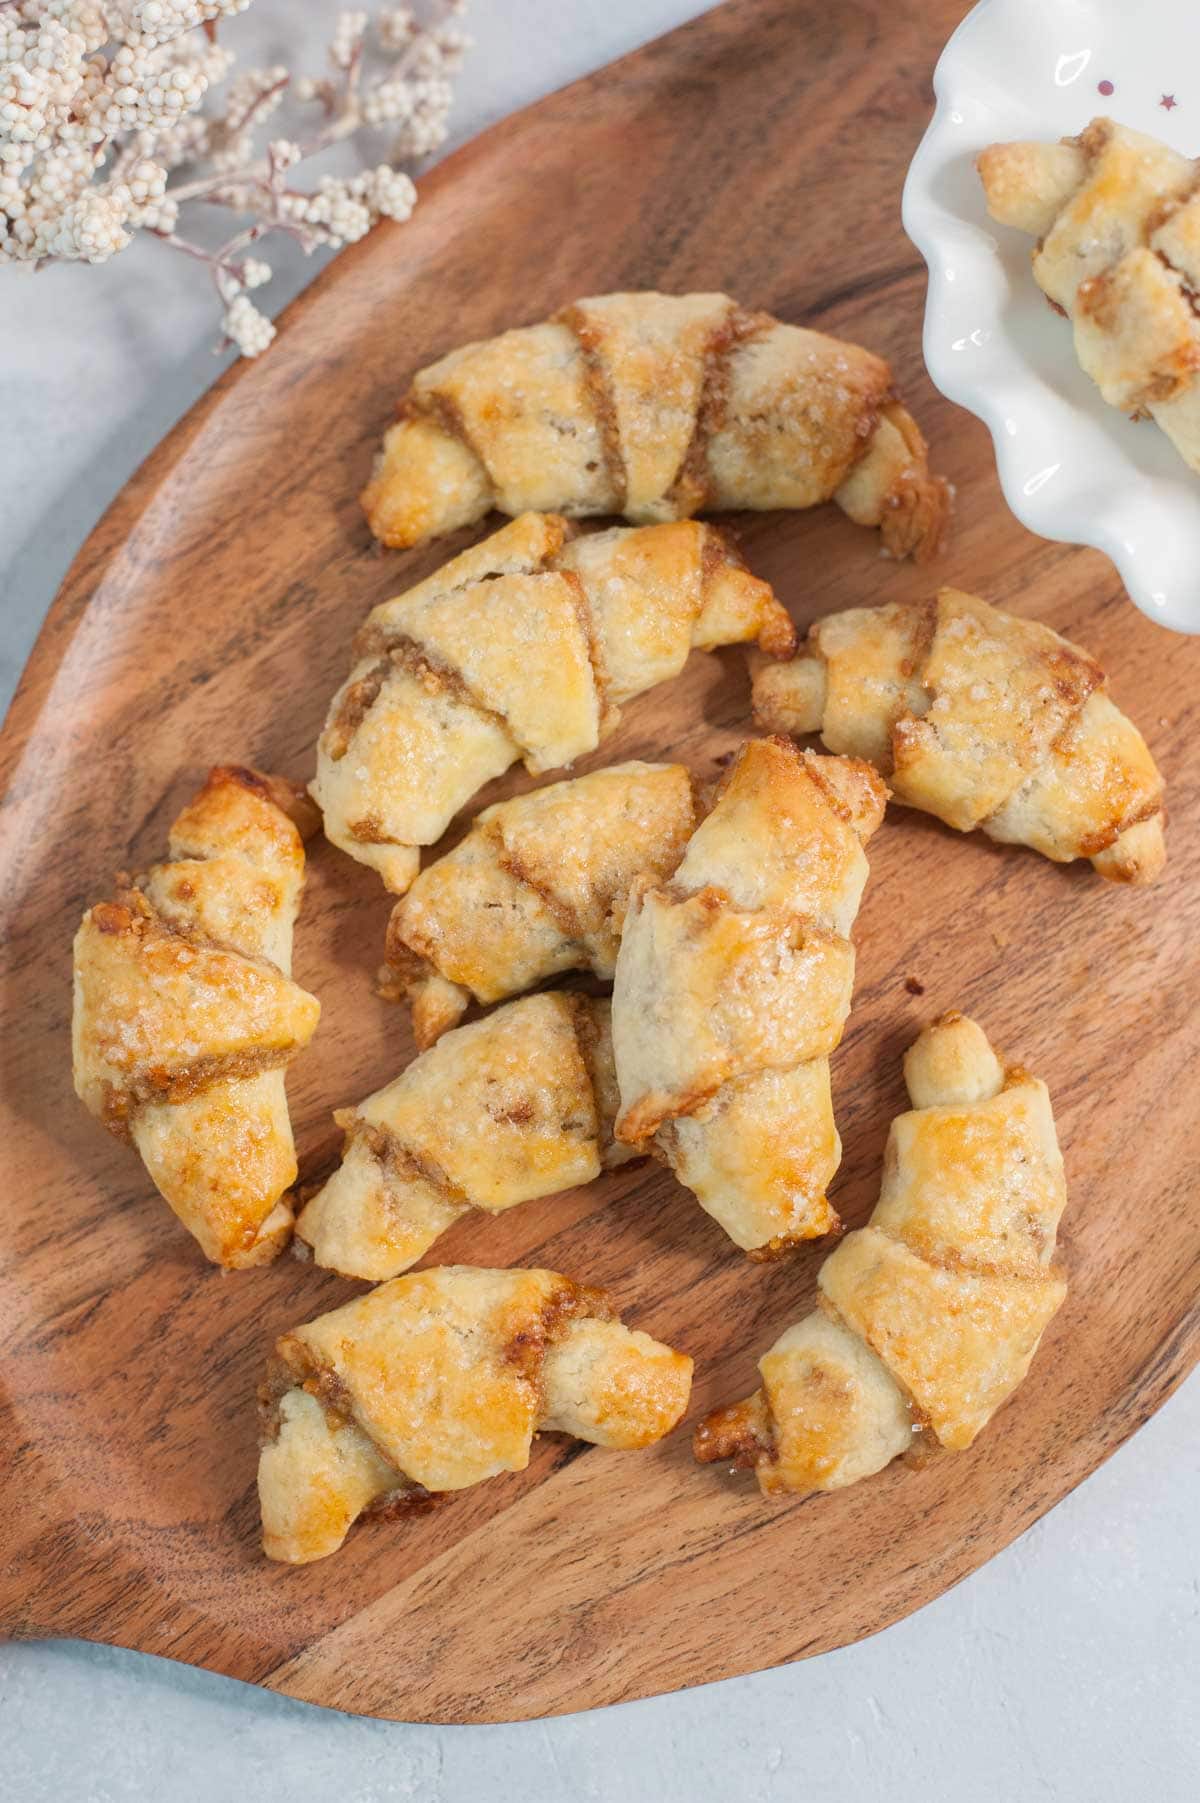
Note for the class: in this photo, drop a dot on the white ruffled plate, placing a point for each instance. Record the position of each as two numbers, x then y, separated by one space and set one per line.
1071 467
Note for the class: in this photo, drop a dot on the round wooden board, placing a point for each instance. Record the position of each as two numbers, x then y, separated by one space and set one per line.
761 150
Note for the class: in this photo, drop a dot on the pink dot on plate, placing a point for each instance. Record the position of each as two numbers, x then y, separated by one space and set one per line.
1105 88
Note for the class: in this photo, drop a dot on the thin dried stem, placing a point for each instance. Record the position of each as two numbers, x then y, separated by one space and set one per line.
96 167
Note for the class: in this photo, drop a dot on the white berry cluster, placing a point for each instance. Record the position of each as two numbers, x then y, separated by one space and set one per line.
347 209
247 328
159 21
76 77
101 133
348 34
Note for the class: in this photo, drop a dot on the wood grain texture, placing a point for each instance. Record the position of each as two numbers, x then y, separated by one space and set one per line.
762 150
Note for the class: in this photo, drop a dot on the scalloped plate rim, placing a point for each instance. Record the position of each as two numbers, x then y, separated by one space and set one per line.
1063 468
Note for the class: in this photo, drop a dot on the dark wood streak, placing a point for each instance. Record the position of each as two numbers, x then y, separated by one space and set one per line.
868 288
760 150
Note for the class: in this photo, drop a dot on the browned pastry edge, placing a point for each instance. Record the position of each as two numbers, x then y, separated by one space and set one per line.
399 651
587 1036
371 639
741 1434
403 967
607 713
130 914
289 797
599 390
527 1348
391 1151
692 484
783 1245
1076 676
292 1365
916 511
407 962
719 547
297 1370
1092 844
357 701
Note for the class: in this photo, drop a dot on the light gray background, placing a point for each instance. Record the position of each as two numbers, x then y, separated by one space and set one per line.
1068 1668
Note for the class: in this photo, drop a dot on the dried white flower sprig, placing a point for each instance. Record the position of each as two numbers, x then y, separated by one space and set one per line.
101 136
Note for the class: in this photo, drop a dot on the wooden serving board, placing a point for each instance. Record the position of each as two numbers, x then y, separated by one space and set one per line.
760 149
